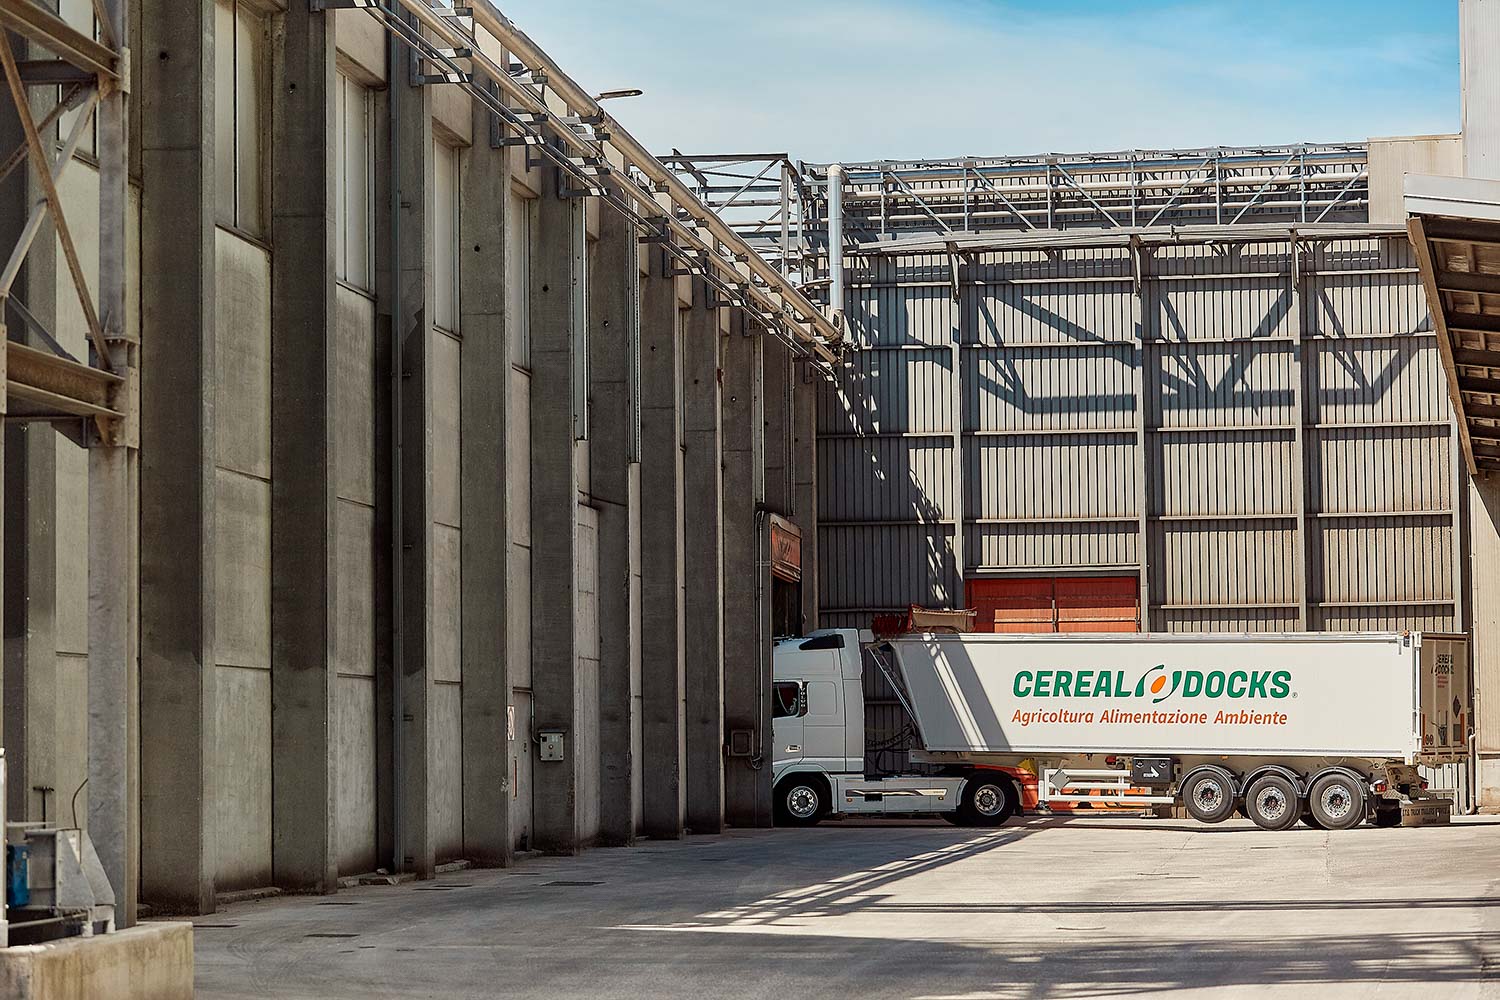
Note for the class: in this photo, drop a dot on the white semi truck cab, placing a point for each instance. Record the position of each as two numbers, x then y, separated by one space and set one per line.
1327 728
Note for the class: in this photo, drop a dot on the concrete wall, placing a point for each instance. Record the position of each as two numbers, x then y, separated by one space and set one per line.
1391 159
271 751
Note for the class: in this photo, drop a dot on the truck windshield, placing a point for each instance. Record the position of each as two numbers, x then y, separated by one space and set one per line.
787 700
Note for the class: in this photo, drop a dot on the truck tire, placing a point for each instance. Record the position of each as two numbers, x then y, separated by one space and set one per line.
1308 819
1272 803
1208 795
1337 801
987 800
801 800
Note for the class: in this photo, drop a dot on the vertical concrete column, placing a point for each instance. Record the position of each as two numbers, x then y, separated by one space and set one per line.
304 574
703 549
554 518
805 485
484 400
177 467
614 287
662 723
747 585
415 840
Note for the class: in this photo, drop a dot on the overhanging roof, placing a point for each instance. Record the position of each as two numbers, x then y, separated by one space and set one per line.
1454 223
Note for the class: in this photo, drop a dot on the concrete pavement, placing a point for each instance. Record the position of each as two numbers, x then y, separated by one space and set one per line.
1040 908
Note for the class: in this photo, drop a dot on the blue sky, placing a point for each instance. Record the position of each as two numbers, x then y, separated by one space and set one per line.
860 79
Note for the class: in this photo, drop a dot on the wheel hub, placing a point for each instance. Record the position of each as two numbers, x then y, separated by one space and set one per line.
988 801
802 802
1271 804
1209 795
1336 801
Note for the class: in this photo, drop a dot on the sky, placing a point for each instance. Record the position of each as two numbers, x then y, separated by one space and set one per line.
827 80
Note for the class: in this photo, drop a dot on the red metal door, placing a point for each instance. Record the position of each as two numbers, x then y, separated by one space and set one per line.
1056 604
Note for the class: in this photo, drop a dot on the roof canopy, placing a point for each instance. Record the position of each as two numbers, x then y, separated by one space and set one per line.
1454 223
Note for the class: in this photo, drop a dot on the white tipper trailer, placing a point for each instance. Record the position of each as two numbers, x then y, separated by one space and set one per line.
1326 728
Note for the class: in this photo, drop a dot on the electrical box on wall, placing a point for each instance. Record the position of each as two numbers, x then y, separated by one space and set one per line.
741 742
551 745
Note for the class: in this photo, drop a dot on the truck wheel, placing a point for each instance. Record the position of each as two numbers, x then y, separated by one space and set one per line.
986 801
800 801
1272 803
1209 795
1308 819
1337 801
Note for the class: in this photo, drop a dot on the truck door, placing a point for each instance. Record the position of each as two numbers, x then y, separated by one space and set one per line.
788 707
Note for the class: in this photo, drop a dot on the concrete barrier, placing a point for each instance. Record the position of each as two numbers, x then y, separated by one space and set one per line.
153 960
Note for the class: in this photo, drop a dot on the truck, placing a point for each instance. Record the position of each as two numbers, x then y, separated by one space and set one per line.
1330 729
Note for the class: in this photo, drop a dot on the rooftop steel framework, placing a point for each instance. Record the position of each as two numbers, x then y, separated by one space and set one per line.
781 206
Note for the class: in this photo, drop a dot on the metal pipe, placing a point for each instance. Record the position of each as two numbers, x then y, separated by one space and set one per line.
398 605
836 246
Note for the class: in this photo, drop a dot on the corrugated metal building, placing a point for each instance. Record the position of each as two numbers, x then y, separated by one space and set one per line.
1251 426
1236 427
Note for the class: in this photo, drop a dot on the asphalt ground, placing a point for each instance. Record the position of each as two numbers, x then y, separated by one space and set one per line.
1085 907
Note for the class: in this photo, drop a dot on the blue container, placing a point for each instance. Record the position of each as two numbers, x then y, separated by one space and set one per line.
17 879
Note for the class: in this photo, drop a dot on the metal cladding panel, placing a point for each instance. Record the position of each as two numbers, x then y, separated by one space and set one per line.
1376 296
886 566
1384 560
1268 258
1053 312
1384 380
1049 388
890 392
1380 618
1224 562
884 479
1357 470
890 315
1052 477
1212 473
1240 384
1052 474
1224 620
1049 546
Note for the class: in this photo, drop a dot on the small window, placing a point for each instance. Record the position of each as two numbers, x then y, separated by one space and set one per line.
354 205
518 278
833 640
445 236
240 122
788 700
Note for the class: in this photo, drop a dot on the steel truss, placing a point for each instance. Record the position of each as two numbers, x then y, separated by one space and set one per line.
536 105
784 212
46 383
